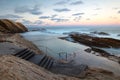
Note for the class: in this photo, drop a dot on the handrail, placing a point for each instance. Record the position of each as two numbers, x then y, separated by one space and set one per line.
61 55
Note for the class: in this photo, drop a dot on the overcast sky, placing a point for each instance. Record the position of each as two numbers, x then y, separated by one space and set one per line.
62 12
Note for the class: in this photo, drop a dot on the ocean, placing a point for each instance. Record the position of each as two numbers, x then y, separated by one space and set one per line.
47 36
114 31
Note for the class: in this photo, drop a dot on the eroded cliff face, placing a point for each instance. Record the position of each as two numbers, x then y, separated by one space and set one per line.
9 26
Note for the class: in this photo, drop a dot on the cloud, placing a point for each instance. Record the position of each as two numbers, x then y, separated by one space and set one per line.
59 20
88 19
53 16
44 17
97 9
95 14
10 16
113 17
62 10
119 12
77 18
61 3
76 3
27 22
77 14
48 17
25 9
38 22
116 8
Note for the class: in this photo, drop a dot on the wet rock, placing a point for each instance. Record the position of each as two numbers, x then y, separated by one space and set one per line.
118 35
88 50
96 41
100 33
101 52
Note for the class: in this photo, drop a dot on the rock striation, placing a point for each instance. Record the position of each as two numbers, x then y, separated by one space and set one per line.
13 68
9 26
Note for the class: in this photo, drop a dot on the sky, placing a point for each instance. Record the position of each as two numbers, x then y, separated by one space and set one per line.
61 12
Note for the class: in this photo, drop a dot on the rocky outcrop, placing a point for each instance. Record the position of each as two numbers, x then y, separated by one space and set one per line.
100 33
13 68
9 26
96 41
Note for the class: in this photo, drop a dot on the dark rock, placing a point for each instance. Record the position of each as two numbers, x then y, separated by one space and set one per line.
101 52
100 33
96 41
118 35
88 50
69 33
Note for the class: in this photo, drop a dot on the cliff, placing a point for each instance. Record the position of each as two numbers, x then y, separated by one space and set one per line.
9 26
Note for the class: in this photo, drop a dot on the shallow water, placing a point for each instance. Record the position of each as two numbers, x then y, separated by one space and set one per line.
50 44
58 31
96 61
113 51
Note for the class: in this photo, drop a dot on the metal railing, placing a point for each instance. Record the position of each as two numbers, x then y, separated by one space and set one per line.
61 55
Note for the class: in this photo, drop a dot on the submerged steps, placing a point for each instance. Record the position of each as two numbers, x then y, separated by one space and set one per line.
48 63
18 53
39 59
29 56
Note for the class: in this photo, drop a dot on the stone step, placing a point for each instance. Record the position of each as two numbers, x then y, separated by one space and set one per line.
20 52
44 61
26 54
30 56
37 58
41 60
50 64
